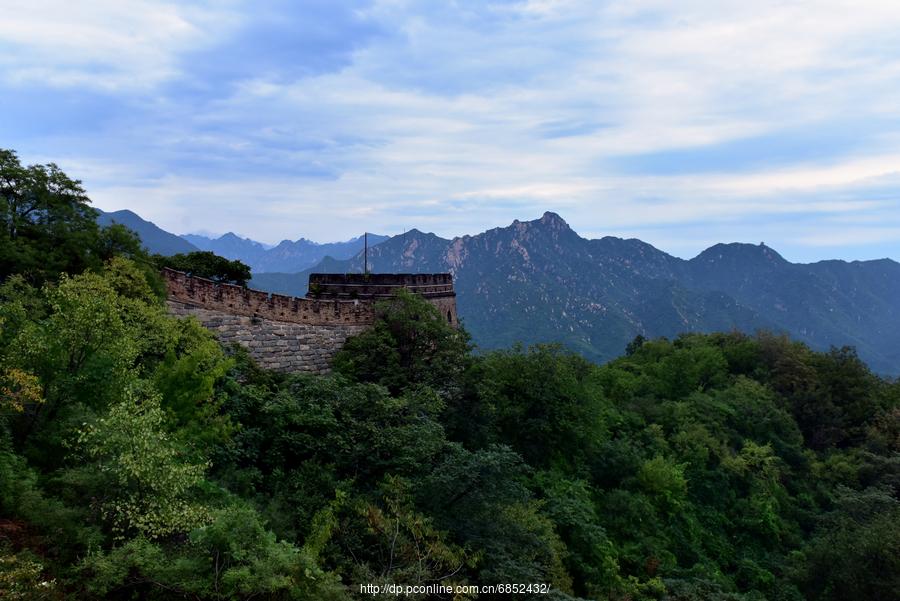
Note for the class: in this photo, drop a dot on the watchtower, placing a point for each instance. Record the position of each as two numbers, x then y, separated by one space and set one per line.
437 288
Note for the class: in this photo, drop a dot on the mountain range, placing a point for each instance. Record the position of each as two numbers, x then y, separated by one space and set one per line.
539 281
288 255
155 239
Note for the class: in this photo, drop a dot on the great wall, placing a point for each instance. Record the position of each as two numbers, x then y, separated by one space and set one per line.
299 334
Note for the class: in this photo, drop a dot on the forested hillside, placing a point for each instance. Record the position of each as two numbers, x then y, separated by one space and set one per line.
539 281
155 239
141 460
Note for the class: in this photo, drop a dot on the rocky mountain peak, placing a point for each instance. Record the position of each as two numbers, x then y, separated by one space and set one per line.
743 254
553 220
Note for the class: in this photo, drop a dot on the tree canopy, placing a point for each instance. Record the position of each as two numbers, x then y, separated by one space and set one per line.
206 264
139 459
47 225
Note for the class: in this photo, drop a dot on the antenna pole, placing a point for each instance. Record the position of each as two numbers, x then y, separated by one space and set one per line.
366 254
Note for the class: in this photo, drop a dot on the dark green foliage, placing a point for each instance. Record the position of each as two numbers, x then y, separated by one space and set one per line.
635 345
679 471
232 557
140 460
151 465
544 403
47 226
411 345
855 551
108 412
205 264
359 430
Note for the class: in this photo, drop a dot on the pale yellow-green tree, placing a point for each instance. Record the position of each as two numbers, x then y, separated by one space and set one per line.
147 479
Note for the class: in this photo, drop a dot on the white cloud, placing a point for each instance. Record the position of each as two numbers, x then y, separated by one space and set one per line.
445 121
110 44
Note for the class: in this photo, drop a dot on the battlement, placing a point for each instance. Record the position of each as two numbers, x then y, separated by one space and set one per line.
378 285
299 334
237 300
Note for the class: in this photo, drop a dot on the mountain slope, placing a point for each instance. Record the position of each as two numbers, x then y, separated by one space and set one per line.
155 239
538 281
230 246
826 303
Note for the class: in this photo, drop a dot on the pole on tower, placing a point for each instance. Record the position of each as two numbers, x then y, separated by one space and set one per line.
366 254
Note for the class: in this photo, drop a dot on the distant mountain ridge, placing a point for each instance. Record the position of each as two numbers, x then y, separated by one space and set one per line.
155 239
539 281
287 256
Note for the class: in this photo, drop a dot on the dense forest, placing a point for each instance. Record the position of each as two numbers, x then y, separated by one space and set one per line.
139 459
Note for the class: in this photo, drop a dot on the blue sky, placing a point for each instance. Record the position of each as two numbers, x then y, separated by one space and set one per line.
680 123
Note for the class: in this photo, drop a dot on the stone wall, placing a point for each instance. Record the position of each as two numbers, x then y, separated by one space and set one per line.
237 300
291 334
379 285
446 305
278 345
436 288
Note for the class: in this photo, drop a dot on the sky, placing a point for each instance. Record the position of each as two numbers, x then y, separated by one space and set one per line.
680 123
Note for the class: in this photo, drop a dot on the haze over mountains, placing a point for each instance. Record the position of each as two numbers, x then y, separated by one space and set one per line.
287 256
539 281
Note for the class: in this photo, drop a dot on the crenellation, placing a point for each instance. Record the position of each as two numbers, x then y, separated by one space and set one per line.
297 334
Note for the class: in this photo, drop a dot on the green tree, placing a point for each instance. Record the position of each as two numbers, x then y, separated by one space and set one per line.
22 578
83 354
543 403
232 557
145 479
855 552
591 555
103 332
206 264
481 499
396 543
47 226
411 344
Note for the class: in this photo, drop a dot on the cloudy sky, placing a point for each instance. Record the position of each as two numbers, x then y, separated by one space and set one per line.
681 123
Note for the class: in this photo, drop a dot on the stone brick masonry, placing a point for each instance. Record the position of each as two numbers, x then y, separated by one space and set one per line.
297 334
278 345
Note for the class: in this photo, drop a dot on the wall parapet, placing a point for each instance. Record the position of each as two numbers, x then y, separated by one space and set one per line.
406 280
379 285
333 299
293 334
237 300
